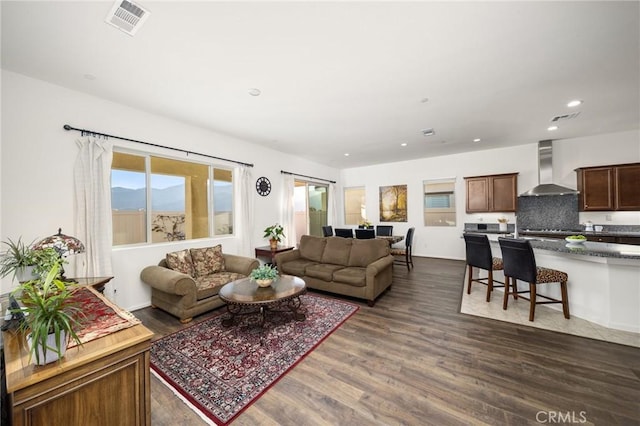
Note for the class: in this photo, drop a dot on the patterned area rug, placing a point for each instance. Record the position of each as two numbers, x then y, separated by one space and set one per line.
101 317
219 371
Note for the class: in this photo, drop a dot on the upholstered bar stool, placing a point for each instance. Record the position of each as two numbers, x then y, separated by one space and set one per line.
520 264
479 256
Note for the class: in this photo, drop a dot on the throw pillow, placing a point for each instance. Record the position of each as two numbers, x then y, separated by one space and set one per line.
207 260
181 261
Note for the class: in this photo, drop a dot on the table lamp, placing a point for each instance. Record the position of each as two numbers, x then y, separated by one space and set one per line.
65 245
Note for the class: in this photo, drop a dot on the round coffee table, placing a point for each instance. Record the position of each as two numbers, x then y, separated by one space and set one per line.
245 297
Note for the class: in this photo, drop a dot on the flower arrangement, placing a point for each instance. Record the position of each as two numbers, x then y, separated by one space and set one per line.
503 220
366 223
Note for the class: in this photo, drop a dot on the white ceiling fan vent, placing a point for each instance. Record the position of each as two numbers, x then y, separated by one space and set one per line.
565 117
127 16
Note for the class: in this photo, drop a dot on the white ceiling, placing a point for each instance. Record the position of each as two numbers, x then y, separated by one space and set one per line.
342 77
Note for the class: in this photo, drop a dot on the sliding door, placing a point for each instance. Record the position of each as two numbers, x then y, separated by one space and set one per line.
310 201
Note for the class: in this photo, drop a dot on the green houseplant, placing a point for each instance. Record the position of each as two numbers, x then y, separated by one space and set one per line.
264 275
18 259
25 262
275 234
50 315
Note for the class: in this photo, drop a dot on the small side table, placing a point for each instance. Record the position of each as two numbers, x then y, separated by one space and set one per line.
96 282
266 252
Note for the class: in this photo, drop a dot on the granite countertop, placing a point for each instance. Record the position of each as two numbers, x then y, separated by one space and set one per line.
589 248
585 233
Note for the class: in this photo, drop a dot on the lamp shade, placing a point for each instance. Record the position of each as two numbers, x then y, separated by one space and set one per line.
65 245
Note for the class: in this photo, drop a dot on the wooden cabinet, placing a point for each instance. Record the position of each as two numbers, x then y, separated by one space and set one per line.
493 193
605 188
104 382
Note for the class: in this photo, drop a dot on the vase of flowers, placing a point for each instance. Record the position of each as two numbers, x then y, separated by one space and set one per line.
264 275
275 234
502 224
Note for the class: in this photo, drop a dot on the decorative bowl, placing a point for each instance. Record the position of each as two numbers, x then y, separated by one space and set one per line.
575 240
264 283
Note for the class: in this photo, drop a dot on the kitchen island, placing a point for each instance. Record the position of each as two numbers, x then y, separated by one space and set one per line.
604 279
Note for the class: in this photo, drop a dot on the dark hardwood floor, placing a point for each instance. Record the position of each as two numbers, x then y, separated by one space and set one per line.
414 359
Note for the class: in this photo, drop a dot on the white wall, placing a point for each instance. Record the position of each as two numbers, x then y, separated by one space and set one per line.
38 158
445 242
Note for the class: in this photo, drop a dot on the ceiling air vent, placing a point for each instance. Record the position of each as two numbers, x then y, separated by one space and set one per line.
127 16
428 132
565 117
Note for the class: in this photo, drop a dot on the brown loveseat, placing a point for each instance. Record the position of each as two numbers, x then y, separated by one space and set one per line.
347 266
186 283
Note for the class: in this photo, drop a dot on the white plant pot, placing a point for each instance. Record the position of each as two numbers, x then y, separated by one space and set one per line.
52 354
25 274
502 226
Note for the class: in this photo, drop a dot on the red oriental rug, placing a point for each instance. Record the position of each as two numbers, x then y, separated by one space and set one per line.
220 371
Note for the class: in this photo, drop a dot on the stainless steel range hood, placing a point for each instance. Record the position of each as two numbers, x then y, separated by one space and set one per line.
545 174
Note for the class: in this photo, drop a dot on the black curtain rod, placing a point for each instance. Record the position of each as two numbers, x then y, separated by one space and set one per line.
310 177
67 127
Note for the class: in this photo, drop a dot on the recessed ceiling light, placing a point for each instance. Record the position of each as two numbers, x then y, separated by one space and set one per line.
346 154
552 128
254 92
403 144
477 140
428 132
574 103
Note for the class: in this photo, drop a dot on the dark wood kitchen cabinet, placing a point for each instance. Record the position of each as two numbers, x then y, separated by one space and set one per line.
615 187
492 193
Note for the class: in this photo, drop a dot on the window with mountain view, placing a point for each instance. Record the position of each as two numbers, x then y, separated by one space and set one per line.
179 203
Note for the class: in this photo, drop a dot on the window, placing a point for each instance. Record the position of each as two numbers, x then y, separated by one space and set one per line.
439 202
178 195
355 211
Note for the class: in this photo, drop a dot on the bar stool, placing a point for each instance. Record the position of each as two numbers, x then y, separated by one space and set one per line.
479 256
520 264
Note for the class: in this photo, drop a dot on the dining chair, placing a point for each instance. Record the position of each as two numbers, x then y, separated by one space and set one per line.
478 253
384 230
365 234
344 232
327 231
520 264
407 250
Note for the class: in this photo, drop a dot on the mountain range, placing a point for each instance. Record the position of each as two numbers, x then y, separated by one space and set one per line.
171 199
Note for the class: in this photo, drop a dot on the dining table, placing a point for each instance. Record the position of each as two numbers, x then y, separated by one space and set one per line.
392 239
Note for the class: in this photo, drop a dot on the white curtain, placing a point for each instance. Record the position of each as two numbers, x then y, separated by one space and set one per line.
92 178
332 211
245 212
288 214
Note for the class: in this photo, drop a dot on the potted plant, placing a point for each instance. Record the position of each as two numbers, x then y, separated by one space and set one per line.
18 259
264 275
51 316
25 262
275 234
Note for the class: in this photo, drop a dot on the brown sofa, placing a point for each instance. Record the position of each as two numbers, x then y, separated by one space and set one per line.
347 266
186 283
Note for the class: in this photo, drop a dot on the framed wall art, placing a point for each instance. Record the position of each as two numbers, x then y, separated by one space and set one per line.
393 203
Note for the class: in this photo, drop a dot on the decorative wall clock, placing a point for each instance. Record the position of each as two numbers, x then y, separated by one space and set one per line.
263 186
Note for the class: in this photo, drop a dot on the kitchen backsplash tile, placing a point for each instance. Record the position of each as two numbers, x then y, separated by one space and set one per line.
548 212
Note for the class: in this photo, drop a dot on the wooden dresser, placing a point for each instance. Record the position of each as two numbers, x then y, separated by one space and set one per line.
104 382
